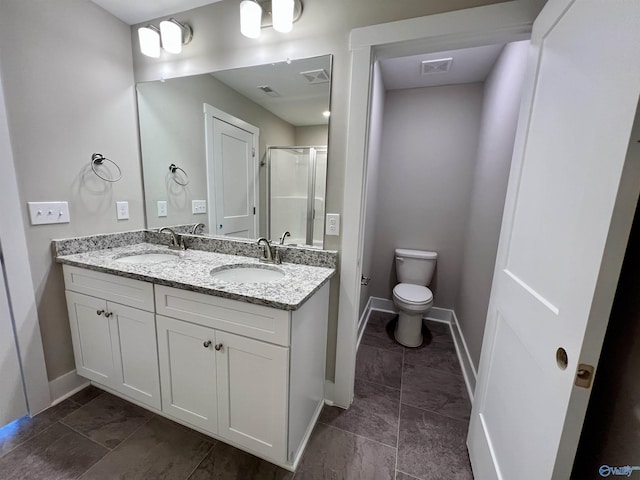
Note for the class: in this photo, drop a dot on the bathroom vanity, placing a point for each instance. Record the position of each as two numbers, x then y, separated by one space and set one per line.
242 362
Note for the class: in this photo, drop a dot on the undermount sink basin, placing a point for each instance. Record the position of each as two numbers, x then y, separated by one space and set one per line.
146 258
249 273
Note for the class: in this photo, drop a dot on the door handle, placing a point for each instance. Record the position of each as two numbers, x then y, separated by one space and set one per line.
207 344
218 347
99 312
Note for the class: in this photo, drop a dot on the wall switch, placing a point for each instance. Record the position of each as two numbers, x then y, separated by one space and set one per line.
162 208
42 213
122 210
198 206
332 226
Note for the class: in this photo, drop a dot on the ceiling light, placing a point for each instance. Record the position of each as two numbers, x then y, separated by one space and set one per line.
149 38
282 11
250 18
174 34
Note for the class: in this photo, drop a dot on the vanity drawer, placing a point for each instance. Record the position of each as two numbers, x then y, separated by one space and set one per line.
247 319
125 291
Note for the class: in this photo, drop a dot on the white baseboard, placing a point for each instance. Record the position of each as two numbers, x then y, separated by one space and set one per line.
65 386
436 314
329 387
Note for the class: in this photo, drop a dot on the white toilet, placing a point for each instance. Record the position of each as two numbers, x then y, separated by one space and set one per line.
411 296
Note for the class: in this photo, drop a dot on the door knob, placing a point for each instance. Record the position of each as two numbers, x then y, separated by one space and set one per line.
207 344
99 312
218 346
108 314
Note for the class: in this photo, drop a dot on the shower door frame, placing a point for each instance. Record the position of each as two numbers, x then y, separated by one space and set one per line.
311 188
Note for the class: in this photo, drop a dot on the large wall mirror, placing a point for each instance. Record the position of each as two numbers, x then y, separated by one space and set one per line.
242 151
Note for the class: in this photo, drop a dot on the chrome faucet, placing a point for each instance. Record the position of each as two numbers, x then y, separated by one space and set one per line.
284 235
194 230
268 255
177 242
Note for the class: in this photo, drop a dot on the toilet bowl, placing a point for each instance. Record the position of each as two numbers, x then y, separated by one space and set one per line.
411 297
413 302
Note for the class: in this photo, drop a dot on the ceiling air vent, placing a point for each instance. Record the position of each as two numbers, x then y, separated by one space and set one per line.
316 76
440 65
269 91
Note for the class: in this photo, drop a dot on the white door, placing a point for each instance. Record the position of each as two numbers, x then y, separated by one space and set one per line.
136 354
12 401
232 180
252 394
557 266
91 337
188 372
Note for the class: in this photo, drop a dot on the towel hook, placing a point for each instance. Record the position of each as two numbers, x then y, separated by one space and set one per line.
99 159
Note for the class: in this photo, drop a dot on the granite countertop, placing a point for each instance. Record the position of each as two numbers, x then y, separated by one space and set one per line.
190 270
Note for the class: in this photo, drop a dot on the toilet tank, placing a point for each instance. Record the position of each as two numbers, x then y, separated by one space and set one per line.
415 266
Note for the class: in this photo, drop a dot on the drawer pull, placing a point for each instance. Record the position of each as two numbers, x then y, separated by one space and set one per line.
99 312
207 344
218 347
108 314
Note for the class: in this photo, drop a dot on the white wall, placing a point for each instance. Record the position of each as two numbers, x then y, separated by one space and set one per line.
378 95
429 142
172 131
67 73
501 104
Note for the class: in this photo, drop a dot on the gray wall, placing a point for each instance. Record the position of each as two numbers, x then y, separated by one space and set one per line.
171 131
429 142
66 69
312 136
501 104
378 95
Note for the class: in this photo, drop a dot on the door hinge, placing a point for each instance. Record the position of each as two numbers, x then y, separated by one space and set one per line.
253 152
584 375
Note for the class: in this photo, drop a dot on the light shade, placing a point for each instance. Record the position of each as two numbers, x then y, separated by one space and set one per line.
171 34
250 18
149 38
282 11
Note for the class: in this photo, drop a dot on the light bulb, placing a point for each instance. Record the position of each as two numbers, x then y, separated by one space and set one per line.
171 34
250 18
282 11
149 38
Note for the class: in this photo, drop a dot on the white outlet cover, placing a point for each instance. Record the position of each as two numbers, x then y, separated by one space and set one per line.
42 213
332 224
198 206
122 210
162 208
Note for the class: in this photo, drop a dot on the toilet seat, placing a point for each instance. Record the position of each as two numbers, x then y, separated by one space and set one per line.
413 294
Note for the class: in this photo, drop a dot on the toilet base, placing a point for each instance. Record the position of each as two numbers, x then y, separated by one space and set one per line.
409 329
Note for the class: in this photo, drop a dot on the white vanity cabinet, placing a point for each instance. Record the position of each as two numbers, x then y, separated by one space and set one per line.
114 344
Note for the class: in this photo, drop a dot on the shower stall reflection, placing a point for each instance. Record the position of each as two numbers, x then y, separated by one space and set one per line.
296 193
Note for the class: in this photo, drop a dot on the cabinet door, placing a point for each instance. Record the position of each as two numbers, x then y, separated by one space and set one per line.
252 394
92 339
188 372
135 354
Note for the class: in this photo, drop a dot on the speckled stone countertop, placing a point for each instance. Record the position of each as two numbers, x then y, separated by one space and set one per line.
190 270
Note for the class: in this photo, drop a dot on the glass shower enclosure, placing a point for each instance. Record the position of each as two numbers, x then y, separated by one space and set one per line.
296 193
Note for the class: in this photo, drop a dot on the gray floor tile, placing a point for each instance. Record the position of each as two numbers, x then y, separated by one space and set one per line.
25 428
437 391
404 476
373 414
225 462
57 453
377 334
107 419
334 454
379 366
432 446
439 355
157 450
87 394
439 331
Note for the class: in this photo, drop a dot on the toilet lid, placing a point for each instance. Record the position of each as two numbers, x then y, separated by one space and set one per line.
413 293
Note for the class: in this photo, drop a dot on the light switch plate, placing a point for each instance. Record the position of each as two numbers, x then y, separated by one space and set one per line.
42 213
332 226
122 210
198 206
162 208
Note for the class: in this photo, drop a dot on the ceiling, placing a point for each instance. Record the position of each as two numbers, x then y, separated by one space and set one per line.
137 11
468 65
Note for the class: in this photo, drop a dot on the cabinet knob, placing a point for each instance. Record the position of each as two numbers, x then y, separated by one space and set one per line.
108 314
99 312
207 344
218 346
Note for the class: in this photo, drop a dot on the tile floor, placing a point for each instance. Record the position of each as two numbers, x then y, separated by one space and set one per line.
408 421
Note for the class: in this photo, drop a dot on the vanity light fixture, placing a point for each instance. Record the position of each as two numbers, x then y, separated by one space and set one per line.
279 14
149 38
174 35
171 36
